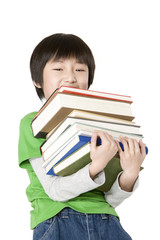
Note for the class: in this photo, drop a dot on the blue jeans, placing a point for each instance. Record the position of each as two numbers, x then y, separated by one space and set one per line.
72 225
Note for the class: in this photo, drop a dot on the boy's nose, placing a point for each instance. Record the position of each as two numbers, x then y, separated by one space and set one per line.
70 77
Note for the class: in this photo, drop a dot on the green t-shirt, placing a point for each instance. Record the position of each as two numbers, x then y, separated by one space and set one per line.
44 207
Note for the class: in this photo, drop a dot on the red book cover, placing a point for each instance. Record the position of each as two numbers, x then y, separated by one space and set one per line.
86 93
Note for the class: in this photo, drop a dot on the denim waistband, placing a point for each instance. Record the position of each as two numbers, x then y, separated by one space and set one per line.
69 211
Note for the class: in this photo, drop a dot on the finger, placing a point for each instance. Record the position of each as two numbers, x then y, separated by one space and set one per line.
119 146
125 143
109 137
131 144
136 146
142 148
104 136
94 141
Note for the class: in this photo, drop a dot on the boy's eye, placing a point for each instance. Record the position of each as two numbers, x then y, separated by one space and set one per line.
58 69
80 70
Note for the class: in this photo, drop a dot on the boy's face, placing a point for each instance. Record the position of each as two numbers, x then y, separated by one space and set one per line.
66 72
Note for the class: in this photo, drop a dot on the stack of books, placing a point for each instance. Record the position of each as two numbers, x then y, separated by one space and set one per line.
67 121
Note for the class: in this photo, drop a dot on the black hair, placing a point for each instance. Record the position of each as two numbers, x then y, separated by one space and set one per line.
58 46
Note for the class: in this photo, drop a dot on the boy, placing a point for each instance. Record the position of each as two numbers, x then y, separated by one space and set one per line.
71 207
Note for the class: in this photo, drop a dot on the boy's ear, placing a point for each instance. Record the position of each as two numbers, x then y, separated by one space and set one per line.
36 84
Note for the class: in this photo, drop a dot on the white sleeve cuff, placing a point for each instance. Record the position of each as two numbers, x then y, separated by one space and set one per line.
115 196
91 184
99 178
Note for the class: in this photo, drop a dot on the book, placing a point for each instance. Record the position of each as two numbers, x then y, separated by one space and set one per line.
91 116
60 104
98 117
125 127
92 93
80 159
73 163
84 92
72 146
77 142
56 140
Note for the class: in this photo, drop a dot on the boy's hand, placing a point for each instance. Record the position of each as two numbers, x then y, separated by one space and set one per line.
101 155
131 160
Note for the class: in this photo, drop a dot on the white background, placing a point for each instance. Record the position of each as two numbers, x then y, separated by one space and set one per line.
124 36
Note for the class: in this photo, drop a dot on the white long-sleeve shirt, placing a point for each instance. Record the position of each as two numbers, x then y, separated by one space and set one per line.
65 188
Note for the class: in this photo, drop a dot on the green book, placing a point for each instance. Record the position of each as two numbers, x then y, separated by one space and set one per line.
81 158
